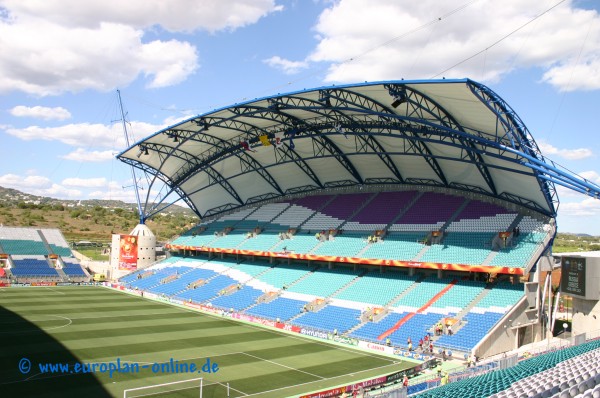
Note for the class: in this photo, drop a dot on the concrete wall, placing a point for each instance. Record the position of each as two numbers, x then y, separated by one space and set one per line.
586 316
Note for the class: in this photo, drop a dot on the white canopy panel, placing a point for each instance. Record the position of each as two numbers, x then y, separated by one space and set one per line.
445 133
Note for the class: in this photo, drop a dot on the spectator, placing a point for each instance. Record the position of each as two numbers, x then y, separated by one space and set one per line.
388 342
421 345
405 381
445 379
410 347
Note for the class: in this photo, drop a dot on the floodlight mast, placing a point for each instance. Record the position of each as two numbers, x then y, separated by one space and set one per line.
135 186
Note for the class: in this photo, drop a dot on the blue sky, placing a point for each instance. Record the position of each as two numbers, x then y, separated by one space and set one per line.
62 61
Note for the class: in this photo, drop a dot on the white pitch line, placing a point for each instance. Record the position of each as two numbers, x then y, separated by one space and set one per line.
266 329
315 381
55 291
231 388
285 366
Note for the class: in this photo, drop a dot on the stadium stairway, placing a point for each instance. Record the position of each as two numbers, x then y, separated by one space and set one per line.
357 210
62 274
495 251
362 251
301 278
453 217
421 253
405 210
490 257
420 310
323 205
45 242
389 304
462 313
315 247
360 325
347 285
405 292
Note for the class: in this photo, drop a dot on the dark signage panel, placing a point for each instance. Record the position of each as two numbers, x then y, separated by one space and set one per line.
573 276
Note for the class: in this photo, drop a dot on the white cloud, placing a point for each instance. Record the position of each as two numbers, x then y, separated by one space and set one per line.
60 192
571 154
563 192
288 67
585 208
84 134
174 16
38 185
82 155
591 175
45 59
85 182
19 182
41 112
62 46
389 40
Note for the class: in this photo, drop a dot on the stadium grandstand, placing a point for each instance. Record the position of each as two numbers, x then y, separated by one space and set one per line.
413 219
38 257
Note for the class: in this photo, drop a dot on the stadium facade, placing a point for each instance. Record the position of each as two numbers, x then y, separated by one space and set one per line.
431 178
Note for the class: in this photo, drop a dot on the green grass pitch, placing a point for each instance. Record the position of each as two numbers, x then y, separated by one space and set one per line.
70 325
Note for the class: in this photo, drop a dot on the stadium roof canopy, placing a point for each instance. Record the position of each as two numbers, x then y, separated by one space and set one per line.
443 133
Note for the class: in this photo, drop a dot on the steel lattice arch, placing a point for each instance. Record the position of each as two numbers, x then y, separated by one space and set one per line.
454 134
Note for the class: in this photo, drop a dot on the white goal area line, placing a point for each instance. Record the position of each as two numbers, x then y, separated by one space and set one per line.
198 379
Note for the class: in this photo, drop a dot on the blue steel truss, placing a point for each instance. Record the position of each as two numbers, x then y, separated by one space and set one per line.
422 123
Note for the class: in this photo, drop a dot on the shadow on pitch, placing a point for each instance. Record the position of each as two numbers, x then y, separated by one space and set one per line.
24 345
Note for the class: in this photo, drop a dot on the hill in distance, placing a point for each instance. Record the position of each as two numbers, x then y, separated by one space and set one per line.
12 197
93 219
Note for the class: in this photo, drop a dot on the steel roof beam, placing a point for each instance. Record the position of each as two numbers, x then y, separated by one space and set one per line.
517 132
423 105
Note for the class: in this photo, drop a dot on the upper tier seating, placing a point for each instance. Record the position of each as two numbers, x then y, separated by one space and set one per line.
283 275
300 243
396 246
380 211
461 248
428 213
469 229
519 254
324 282
336 212
347 245
480 216
301 210
57 242
377 289
22 241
